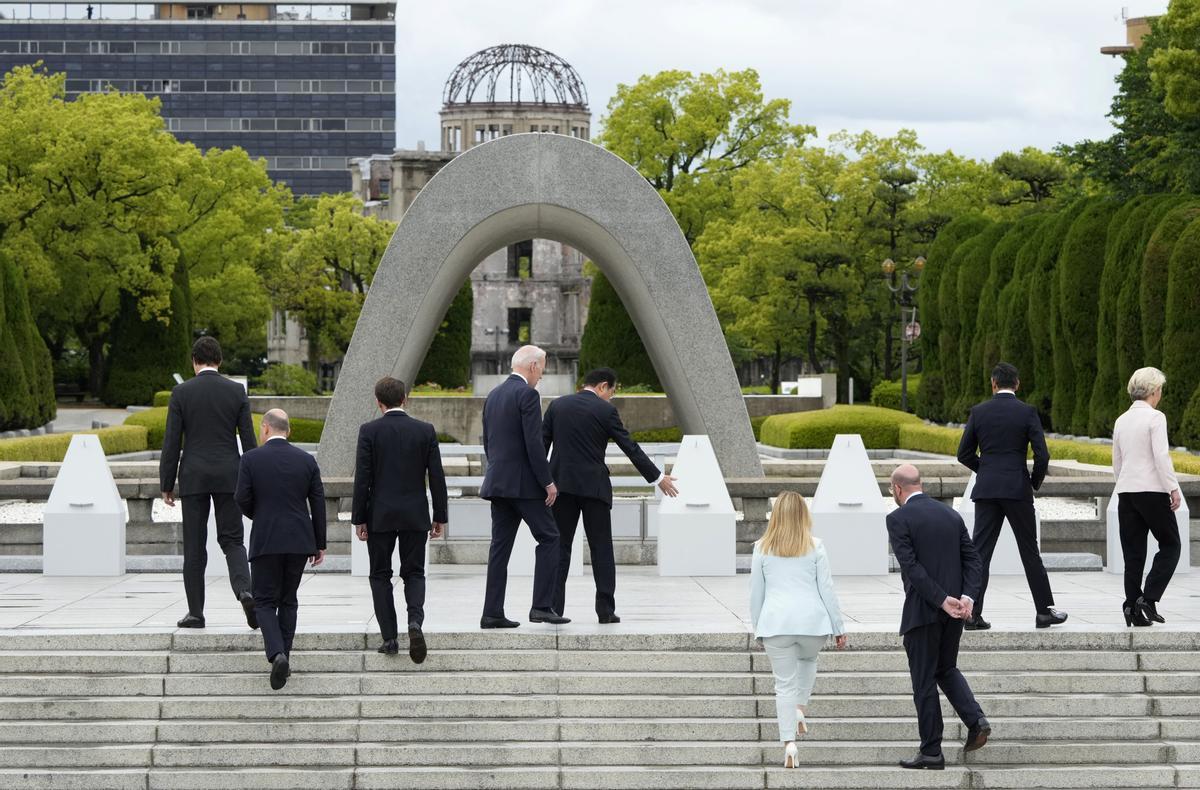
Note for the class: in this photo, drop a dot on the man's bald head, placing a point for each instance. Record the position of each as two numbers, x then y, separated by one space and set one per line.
907 477
276 423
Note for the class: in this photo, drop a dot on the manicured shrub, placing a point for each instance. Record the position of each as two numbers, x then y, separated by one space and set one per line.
1043 311
161 398
1181 340
973 271
658 435
1156 264
1188 433
756 389
155 423
886 394
930 438
303 430
950 334
929 398
938 260
989 323
879 428
53 447
146 353
1079 272
291 380
610 339
1016 346
756 424
448 361
26 370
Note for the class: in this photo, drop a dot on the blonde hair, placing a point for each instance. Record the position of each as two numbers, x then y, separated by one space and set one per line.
789 532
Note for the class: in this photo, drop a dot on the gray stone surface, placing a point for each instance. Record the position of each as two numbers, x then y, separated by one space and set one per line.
554 187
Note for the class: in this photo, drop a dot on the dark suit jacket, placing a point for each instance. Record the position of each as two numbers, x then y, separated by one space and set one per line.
995 444
579 427
512 441
205 414
937 558
395 454
279 488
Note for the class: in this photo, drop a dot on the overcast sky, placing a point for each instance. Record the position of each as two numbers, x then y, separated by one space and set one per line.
978 77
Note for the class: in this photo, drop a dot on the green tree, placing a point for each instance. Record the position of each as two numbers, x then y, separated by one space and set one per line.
1052 369
974 268
1154 277
1181 340
1031 176
326 272
448 362
1016 345
27 385
611 340
688 133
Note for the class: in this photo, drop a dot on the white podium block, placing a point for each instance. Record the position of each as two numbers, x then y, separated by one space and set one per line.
84 529
1006 559
697 530
848 511
1116 557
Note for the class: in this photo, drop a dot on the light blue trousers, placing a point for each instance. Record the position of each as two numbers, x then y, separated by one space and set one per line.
794 662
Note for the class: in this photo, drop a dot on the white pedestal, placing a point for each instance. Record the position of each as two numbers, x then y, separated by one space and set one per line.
84 529
1116 558
848 511
1006 559
697 529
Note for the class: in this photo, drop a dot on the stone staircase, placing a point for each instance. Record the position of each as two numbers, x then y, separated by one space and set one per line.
538 709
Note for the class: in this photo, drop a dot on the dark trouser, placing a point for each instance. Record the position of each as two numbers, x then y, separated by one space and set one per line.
230 534
933 663
507 515
597 525
1140 513
989 517
276 579
412 572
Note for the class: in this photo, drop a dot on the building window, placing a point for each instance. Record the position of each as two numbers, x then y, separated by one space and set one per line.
520 325
520 260
199 12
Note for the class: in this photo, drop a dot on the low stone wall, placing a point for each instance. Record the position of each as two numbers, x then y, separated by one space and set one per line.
462 416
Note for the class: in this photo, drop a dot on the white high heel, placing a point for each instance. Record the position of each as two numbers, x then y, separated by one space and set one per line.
801 724
790 756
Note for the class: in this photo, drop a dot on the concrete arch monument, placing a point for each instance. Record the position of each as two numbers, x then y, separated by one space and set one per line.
545 186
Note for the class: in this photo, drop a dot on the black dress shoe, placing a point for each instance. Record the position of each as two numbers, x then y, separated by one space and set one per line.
191 621
497 622
1051 617
977 735
280 671
1149 610
976 624
925 761
547 616
390 647
416 645
248 607
606 619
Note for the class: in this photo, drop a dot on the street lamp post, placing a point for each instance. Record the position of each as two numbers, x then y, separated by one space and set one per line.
910 330
495 331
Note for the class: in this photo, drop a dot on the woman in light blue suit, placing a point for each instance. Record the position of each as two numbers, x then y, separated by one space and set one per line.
793 610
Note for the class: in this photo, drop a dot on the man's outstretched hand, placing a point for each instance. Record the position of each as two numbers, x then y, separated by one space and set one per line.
667 485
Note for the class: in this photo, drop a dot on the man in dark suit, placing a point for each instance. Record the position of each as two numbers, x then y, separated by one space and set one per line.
279 488
205 416
396 453
579 428
520 488
994 445
940 569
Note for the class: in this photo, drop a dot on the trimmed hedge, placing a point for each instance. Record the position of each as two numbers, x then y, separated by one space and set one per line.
886 394
1016 346
879 428
985 345
161 398
950 336
973 270
145 353
1043 308
658 435
1189 423
1156 266
53 447
448 361
1181 340
26 370
1079 271
155 422
610 339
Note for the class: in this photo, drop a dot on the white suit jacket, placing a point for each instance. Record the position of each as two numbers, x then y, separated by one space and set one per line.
794 596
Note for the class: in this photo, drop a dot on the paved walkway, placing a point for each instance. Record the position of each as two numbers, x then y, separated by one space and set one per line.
646 602
71 418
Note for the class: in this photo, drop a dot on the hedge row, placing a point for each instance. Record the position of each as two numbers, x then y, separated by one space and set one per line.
886 394
53 446
26 371
155 422
879 428
1077 299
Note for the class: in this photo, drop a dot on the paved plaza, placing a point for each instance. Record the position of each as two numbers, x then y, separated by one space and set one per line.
646 602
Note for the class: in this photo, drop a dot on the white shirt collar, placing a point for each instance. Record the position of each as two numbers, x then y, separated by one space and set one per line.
597 394
276 436
206 369
913 494
1140 404
1003 391
515 373
395 408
